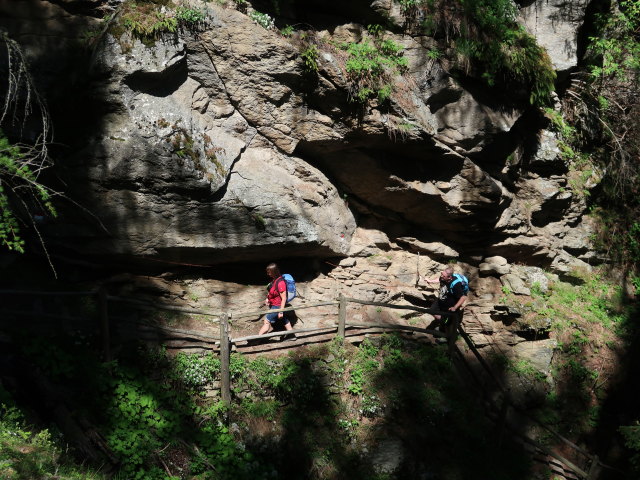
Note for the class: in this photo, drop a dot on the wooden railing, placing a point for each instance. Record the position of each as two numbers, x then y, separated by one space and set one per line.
226 341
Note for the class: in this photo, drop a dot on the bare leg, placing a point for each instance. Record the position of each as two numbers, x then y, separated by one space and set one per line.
266 326
288 326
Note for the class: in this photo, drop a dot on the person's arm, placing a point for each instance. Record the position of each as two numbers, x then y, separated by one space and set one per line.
283 297
458 292
435 279
459 303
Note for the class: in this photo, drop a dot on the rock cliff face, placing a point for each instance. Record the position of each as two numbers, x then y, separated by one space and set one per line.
215 144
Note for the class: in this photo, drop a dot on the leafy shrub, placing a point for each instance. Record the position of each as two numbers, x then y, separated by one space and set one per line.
187 15
287 31
370 67
617 45
310 58
194 370
147 20
487 36
262 19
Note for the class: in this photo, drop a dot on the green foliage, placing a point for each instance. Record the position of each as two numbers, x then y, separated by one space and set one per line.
374 30
595 302
560 125
144 417
578 373
195 370
371 406
371 67
29 453
16 174
434 54
261 408
487 35
189 16
524 368
290 408
310 58
363 365
367 350
262 19
287 31
617 44
581 165
631 434
408 5
147 20
612 95
632 243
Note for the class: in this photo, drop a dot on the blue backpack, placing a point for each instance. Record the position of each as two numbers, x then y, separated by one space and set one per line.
291 286
459 278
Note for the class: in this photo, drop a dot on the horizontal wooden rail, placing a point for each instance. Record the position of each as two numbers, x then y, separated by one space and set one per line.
164 307
278 310
282 333
161 329
407 328
350 326
403 307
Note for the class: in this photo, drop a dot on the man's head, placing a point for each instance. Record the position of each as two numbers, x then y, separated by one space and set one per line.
447 274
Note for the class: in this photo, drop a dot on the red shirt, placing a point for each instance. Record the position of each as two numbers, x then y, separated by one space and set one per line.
277 287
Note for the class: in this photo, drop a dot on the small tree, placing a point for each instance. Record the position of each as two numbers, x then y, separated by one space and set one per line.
21 164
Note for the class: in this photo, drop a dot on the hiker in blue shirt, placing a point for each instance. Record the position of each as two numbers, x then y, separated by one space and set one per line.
276 298
453 290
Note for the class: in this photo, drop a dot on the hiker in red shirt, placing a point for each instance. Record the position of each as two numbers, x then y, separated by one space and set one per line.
276 298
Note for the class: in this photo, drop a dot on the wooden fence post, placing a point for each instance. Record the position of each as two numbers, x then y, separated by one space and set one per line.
104 323
225 359
342 316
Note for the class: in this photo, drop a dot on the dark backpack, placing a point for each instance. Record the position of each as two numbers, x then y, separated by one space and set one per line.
459 278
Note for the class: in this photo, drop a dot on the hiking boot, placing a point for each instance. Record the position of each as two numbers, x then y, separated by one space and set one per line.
289 336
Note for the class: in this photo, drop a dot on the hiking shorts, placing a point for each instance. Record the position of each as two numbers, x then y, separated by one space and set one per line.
272 318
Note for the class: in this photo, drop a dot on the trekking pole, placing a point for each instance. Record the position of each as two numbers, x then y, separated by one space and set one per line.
418 270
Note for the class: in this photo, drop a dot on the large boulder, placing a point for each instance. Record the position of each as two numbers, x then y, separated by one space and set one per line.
555 24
